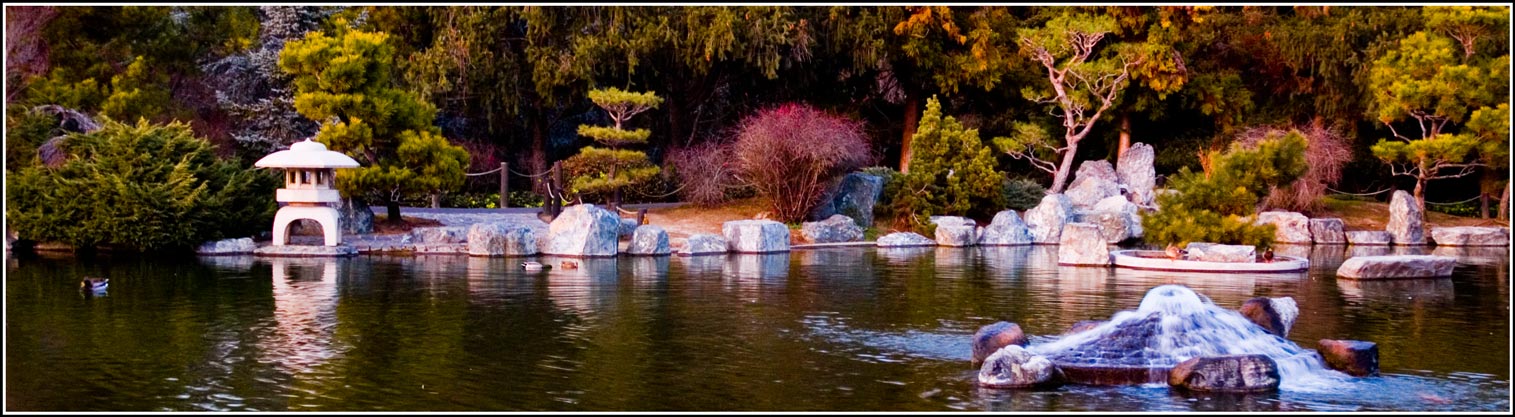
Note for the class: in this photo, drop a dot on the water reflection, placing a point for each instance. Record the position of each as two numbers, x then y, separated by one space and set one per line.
305 302
1368 250
1438 290
904 255
1475 255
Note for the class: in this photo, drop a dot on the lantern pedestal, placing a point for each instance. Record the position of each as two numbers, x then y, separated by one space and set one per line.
324 215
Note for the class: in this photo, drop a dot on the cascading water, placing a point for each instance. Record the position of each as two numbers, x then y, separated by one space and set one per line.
1174 324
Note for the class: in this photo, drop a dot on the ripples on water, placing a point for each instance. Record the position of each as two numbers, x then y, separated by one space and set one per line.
833 329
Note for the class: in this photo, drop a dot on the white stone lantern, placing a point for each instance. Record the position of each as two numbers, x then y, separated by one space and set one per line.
309 171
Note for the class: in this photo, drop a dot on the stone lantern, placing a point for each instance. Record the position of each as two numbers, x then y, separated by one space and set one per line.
309 171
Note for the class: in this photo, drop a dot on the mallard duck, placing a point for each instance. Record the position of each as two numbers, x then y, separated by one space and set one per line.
532 266
1268 255
1175 253
94 284
569 265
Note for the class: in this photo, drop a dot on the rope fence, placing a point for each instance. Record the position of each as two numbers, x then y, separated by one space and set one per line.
504 171
1475 198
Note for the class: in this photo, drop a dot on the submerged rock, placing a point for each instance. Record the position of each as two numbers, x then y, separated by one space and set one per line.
1228 373
1083 325
904 239
1406 223
1470 236
1397 266
837 228
1353 357
992 337
1014 367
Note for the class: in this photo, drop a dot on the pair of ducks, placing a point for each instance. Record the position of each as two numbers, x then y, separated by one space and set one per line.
1175 253
94 284
537 266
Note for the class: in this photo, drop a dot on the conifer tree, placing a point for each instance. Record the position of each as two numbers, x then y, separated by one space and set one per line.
952 173
610 170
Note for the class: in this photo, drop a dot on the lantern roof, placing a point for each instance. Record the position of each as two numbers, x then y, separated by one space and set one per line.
306 154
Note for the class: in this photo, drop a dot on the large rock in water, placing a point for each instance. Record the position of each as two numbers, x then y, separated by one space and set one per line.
1276 315
1328 231
904 239
991 338
704 244
837 228
1212 252
756 236
1369 237
1081 244
1014 367
584 230
1134 170
222 247
1397 266
1228 373
1406 223
1094 181
1046 220
501 239
1470 236
854 196
648 240
1006 229
1291 227
1354 357
955 231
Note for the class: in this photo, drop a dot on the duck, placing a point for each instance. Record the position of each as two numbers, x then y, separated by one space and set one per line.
1267 255
533 266
94 284
1175 253
569 265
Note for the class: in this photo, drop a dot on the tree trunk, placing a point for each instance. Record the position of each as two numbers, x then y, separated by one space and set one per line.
1125 135
1060 179
1504 203
394 211
912 115
1420 193
536 159
436 200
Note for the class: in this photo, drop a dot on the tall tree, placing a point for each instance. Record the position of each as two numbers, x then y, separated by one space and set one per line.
251 88
954 173
611 170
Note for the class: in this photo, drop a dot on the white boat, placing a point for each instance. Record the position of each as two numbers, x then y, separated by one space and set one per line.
1157 260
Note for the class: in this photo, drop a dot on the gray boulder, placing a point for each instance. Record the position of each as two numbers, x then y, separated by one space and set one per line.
1369 237
991 338
355 215
704 244
1094 181
225 247
1081 244
1291 227
904 239
1134 170
1328 231
1397 266
1006 229
854 196
501 239
1406 223
439 235
1228 373
1014 367
649 240
756 236
1211 252
584 230
955 231
628 227
1470 236
837 228
1117 219
1046 220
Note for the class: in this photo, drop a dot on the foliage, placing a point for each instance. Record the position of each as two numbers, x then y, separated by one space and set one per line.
952 173
1022 194
136 93
142 186
705 173
25 130
1326 152
885 206
250 87
793 153
1219 207
608 171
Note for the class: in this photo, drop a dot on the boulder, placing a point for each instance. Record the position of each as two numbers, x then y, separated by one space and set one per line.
438 235
355 215
1328 231
1014 367
904 239
648 240
1353 357
1134 170
1369 237
837 228
1405 220
1276 315
1006 229
501 239
1117 219
854 196
1227 373
1046 220
955 231
584 230
1396 266
1470 236
991 338
628 227
1212 252
1081 244
756 236
1094 181
1291 227
220 247
704 244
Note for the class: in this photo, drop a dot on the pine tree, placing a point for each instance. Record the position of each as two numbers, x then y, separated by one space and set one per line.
951 173
610 170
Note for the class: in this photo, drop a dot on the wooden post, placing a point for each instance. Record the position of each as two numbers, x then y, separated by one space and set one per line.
557 188
504 185
642 216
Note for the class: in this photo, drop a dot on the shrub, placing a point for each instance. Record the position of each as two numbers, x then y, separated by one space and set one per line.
1218 207
1022 194
951 173
1326 152
705 173
606 172
146 187
791 155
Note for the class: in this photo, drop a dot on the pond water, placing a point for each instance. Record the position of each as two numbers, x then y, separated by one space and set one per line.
838 329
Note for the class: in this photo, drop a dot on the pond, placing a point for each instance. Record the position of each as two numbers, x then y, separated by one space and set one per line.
837 329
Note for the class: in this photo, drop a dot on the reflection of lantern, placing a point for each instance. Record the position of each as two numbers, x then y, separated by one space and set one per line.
310 170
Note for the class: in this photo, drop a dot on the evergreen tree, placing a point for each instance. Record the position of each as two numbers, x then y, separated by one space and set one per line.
1220 207
608 171
952 173
251 87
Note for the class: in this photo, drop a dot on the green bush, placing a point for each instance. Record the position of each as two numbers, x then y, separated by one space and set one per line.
1022 194
951 173
144 187
1220 207
25 130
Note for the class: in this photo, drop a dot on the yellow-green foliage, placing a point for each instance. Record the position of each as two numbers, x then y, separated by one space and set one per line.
605 172
1220 207
614 137
142 186
951 173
